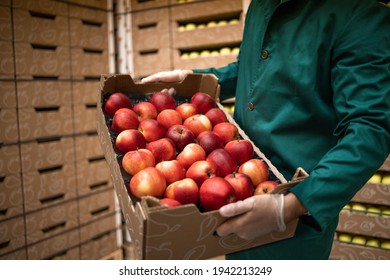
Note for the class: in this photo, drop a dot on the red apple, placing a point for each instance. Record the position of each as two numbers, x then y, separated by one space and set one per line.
181 136
209 141
130 140
242 185
256 169
216 116
116 101
185 191
215 193
169 202
169 117
203 102
198 123
151 129
162 149
187 110
201 170
123 119
191 153
162 100
265 187
135 161
148 181
240 149
225 163
145 110
227 131
172 170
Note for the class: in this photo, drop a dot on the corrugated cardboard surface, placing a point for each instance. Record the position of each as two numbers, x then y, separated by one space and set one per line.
346 251
177 233
373 194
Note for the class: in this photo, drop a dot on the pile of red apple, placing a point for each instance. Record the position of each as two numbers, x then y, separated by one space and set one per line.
184 152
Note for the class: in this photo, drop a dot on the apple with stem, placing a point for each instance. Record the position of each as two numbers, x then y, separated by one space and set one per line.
145 110
215 193
181 136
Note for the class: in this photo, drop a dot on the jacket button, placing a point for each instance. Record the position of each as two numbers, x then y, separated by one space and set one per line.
250 106
264 54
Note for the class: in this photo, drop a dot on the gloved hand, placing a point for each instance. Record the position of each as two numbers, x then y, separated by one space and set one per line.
253 217
167 76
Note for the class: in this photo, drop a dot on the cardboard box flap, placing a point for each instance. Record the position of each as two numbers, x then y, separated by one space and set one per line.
192 83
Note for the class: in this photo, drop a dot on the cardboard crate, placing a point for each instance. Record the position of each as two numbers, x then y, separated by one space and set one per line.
9 133
88 62
40 27
93 176
34 60
65 246
386 165
211 23
364 224
96 206
87 33
12 235
99 246
7 60
200 62
347 251
98 4
157 231
45 122
150 61
137 5
151 29
43 94
11 202
5 24
116 255
42 6
92 229
84 118
20 254
88 148
373 194
84 91
51 221
10 162
47 154
49 187
7 95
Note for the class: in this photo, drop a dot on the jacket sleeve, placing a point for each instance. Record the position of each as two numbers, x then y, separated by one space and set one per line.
361 87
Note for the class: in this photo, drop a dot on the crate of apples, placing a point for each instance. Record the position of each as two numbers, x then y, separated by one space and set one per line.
184 150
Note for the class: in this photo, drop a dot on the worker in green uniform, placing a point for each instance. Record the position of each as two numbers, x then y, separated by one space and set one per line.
312 89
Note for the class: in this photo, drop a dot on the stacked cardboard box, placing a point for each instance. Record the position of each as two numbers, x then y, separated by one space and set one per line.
363 231
185 34
59 201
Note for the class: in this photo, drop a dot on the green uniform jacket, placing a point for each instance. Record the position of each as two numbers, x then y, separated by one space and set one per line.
318 76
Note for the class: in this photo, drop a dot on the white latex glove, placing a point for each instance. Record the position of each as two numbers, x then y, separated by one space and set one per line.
167 76
253 217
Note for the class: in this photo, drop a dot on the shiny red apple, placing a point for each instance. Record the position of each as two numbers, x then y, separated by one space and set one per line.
216 116
256 169
123 119
215 193
162 149
242 185
169 117
162 100
209 141
265 187
137 160
148 181
116 101
185 191
187 110
181 136
240 149
198 123
145 110
191 153
130 140
151 129
201 170
225 163
203 102
172 170
227 131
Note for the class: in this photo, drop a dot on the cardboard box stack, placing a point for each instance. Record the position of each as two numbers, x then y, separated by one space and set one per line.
58 200
178 34
363 231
